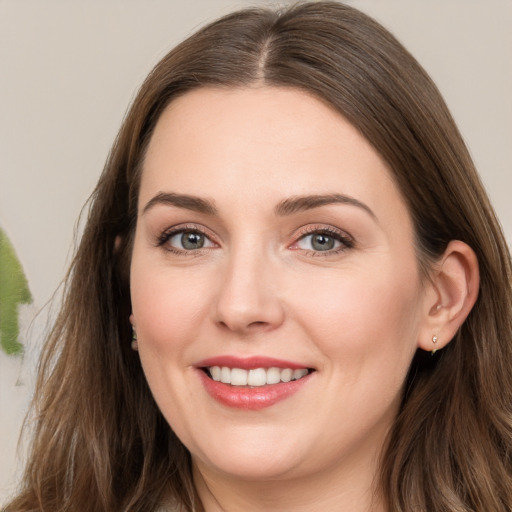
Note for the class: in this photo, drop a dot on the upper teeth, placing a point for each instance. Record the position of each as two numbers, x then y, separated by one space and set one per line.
256 377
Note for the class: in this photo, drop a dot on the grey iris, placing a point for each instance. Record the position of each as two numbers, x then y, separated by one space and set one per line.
192 240
322 242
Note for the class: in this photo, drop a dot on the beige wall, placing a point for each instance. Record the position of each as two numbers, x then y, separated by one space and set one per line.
70 68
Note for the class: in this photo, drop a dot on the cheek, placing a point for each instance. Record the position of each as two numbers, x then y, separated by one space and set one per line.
167 308
365 326
167 305
359 313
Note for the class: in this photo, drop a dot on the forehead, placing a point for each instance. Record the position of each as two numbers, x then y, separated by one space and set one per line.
275 141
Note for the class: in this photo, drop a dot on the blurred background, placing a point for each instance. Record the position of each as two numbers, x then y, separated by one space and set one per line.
69 70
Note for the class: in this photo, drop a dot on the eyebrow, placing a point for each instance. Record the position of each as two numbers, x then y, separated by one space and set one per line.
196 204
287 207
298 204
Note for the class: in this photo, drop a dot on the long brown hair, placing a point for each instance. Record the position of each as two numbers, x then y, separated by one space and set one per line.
101 443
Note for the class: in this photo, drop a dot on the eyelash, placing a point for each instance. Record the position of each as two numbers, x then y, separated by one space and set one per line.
346 241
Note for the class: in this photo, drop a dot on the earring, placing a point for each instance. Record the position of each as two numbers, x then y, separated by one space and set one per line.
135 344
434 341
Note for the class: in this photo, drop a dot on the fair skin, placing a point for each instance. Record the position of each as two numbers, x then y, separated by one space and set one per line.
331 285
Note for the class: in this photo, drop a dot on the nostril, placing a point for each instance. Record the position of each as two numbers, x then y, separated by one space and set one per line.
245 327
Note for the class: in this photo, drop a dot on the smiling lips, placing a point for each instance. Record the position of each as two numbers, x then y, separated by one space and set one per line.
253 383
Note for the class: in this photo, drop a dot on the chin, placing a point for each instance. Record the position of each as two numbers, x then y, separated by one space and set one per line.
257 468
249 459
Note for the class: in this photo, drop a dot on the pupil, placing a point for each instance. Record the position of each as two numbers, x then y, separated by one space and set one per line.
192 240
322 242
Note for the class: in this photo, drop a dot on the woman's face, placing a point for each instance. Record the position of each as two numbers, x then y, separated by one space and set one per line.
272 244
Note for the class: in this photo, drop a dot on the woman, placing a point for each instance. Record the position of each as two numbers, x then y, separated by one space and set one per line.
291 293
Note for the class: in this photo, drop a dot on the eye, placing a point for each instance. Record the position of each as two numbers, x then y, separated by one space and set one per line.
188 240
318 242
323 241
185 240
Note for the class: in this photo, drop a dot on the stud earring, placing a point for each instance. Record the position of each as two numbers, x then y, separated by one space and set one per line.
135 344
434 341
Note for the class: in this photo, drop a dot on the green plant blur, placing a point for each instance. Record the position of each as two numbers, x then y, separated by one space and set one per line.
14 291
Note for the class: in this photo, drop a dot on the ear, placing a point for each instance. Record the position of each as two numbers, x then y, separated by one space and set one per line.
450 295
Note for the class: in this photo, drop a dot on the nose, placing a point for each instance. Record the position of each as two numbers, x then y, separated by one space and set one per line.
249 296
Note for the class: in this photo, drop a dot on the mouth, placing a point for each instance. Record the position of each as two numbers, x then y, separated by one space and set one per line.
256 377
252 383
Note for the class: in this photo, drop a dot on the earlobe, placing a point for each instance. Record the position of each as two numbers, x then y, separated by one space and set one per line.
453 292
